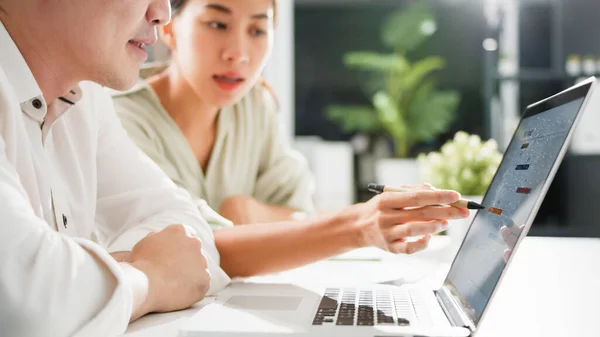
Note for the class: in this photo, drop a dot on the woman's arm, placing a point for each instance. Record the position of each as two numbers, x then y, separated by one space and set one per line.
246 210
382 222
272 247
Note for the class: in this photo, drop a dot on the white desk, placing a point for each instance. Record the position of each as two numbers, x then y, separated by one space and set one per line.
551 290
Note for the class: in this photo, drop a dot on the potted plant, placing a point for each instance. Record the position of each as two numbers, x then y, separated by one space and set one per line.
464 164
406 107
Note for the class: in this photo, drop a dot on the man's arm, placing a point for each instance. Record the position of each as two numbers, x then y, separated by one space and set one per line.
52 285
136 198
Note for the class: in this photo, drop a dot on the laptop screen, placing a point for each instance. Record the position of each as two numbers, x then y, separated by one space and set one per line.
511 199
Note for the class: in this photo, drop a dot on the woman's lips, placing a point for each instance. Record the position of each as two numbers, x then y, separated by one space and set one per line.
228 83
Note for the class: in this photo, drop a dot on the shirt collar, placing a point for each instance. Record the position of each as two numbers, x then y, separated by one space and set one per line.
16 69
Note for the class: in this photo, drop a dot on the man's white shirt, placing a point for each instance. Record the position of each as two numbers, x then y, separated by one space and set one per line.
70 174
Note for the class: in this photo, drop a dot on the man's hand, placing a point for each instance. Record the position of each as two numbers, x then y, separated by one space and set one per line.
390 219
176 269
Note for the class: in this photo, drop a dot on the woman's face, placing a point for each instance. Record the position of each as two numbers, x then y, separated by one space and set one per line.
221 46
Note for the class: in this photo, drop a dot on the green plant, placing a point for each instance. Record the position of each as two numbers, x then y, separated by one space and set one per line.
464 164
406 106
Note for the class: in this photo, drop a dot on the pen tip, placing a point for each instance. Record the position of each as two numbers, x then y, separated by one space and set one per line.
474 205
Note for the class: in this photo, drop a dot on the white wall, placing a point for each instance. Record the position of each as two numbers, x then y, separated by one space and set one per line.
280 69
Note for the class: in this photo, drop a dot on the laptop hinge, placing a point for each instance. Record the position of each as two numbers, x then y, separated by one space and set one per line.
452 310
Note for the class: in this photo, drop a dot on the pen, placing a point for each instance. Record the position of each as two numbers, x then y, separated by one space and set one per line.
462 203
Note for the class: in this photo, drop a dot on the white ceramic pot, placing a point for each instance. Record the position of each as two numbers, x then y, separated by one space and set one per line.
397 172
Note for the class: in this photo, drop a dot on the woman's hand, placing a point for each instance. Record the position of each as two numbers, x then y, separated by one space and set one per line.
390 219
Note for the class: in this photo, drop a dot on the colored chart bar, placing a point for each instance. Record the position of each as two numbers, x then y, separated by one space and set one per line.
496 211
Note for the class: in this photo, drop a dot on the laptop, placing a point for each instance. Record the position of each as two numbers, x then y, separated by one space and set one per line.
456 308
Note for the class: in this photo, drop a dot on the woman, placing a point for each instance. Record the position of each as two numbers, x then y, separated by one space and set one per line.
211 125
230 126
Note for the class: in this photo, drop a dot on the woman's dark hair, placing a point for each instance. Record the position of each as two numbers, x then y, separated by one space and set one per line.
176 5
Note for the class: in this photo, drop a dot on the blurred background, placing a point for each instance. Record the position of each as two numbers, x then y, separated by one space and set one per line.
376 91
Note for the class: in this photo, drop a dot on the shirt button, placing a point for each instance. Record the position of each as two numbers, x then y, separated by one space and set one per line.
37 103
64 220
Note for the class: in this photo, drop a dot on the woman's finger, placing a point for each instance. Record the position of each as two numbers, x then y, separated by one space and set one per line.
398 200
423 214
414 229
404 247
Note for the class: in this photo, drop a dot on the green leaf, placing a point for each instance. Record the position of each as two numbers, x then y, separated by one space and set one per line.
431 112
354 118
421 69
403 86
364 60
407 29
390 116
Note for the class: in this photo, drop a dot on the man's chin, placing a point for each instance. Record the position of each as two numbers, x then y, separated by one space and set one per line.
121 82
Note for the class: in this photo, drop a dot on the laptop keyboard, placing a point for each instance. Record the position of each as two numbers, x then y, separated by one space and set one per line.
362 308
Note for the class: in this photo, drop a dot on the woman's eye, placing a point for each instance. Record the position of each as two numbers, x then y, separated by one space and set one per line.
257 32
217 25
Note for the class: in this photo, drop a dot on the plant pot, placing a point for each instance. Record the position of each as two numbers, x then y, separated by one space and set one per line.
458 228
397 172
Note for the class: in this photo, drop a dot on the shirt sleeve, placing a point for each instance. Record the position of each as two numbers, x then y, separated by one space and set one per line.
135 197
141 134
50 284
284 177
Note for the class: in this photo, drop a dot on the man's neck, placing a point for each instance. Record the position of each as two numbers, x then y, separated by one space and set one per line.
187 109
44 62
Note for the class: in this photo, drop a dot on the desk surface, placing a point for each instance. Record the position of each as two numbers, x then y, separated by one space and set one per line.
551 289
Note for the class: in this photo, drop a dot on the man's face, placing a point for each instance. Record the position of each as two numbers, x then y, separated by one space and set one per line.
104 38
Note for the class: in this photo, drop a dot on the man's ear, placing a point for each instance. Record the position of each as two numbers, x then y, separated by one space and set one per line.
167 35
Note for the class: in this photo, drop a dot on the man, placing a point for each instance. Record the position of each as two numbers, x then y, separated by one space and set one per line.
73 186
68 176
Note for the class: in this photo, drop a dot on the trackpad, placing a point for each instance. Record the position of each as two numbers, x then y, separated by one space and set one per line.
273 303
